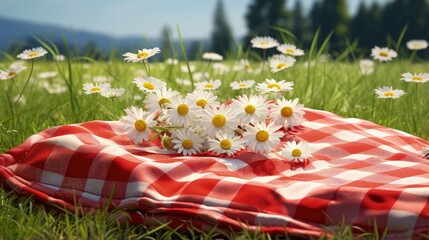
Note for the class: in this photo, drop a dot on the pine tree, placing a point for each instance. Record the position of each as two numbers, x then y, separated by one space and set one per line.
222 37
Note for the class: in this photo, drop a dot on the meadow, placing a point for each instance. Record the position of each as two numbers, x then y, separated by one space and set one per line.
55 96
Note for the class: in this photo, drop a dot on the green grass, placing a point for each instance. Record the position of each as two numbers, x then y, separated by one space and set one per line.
330 85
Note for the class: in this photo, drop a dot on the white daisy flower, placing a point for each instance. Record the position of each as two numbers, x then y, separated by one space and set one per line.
296 152
54 88
288 113
138 123
281 62
45 75
149 84
91 88
59 58
416 77
184 68
243 65
383 54
245 84
226 143
141 54
101 79
11 72
156 101
203 98
32 53
366 66
186 142
211 56
290 49
272 86
198 76
220 68
112 92
171 61
262 138
209 85
388 92
221 119
417 44
183 81
264 42
251 109
182 112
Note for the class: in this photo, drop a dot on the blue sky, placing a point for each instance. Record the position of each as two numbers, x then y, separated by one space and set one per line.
136 17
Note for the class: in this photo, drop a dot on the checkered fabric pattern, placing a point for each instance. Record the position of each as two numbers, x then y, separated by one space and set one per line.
360 174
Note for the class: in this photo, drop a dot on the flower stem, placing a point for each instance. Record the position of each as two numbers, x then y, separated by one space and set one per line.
25 86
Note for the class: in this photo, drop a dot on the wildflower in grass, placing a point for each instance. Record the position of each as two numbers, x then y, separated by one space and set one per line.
296 152
54 88
101 79
202 98
32 53
186 142
112 92
184 82
209 85
243 65
366 66
198 76
288 113
251 109
91 88
171 61
281 62
290 49
138 123
11 72
264 42
141 54
388 92
226 143
149 84
184 68
417 44
49 74
59 58
416 77
383 54
221 119
272 86
182 112
220 68
245 84
156 101
211 56
262 138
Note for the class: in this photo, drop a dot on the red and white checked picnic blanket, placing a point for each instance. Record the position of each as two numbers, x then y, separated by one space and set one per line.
360 173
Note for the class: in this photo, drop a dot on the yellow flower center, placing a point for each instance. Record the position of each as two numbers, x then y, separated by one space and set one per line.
262 136
33 54
225 144
11 74
140 125
272 85
187 143
163 101
281 65
95 89
148 85
286 111
166 142
142 55
417 78
182 109
201 102
242 85
218 120
296 152
384 54
209 86
290 51
264 43
389 94
247 66
250 109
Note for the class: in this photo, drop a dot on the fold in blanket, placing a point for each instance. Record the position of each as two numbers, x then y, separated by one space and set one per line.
359 173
